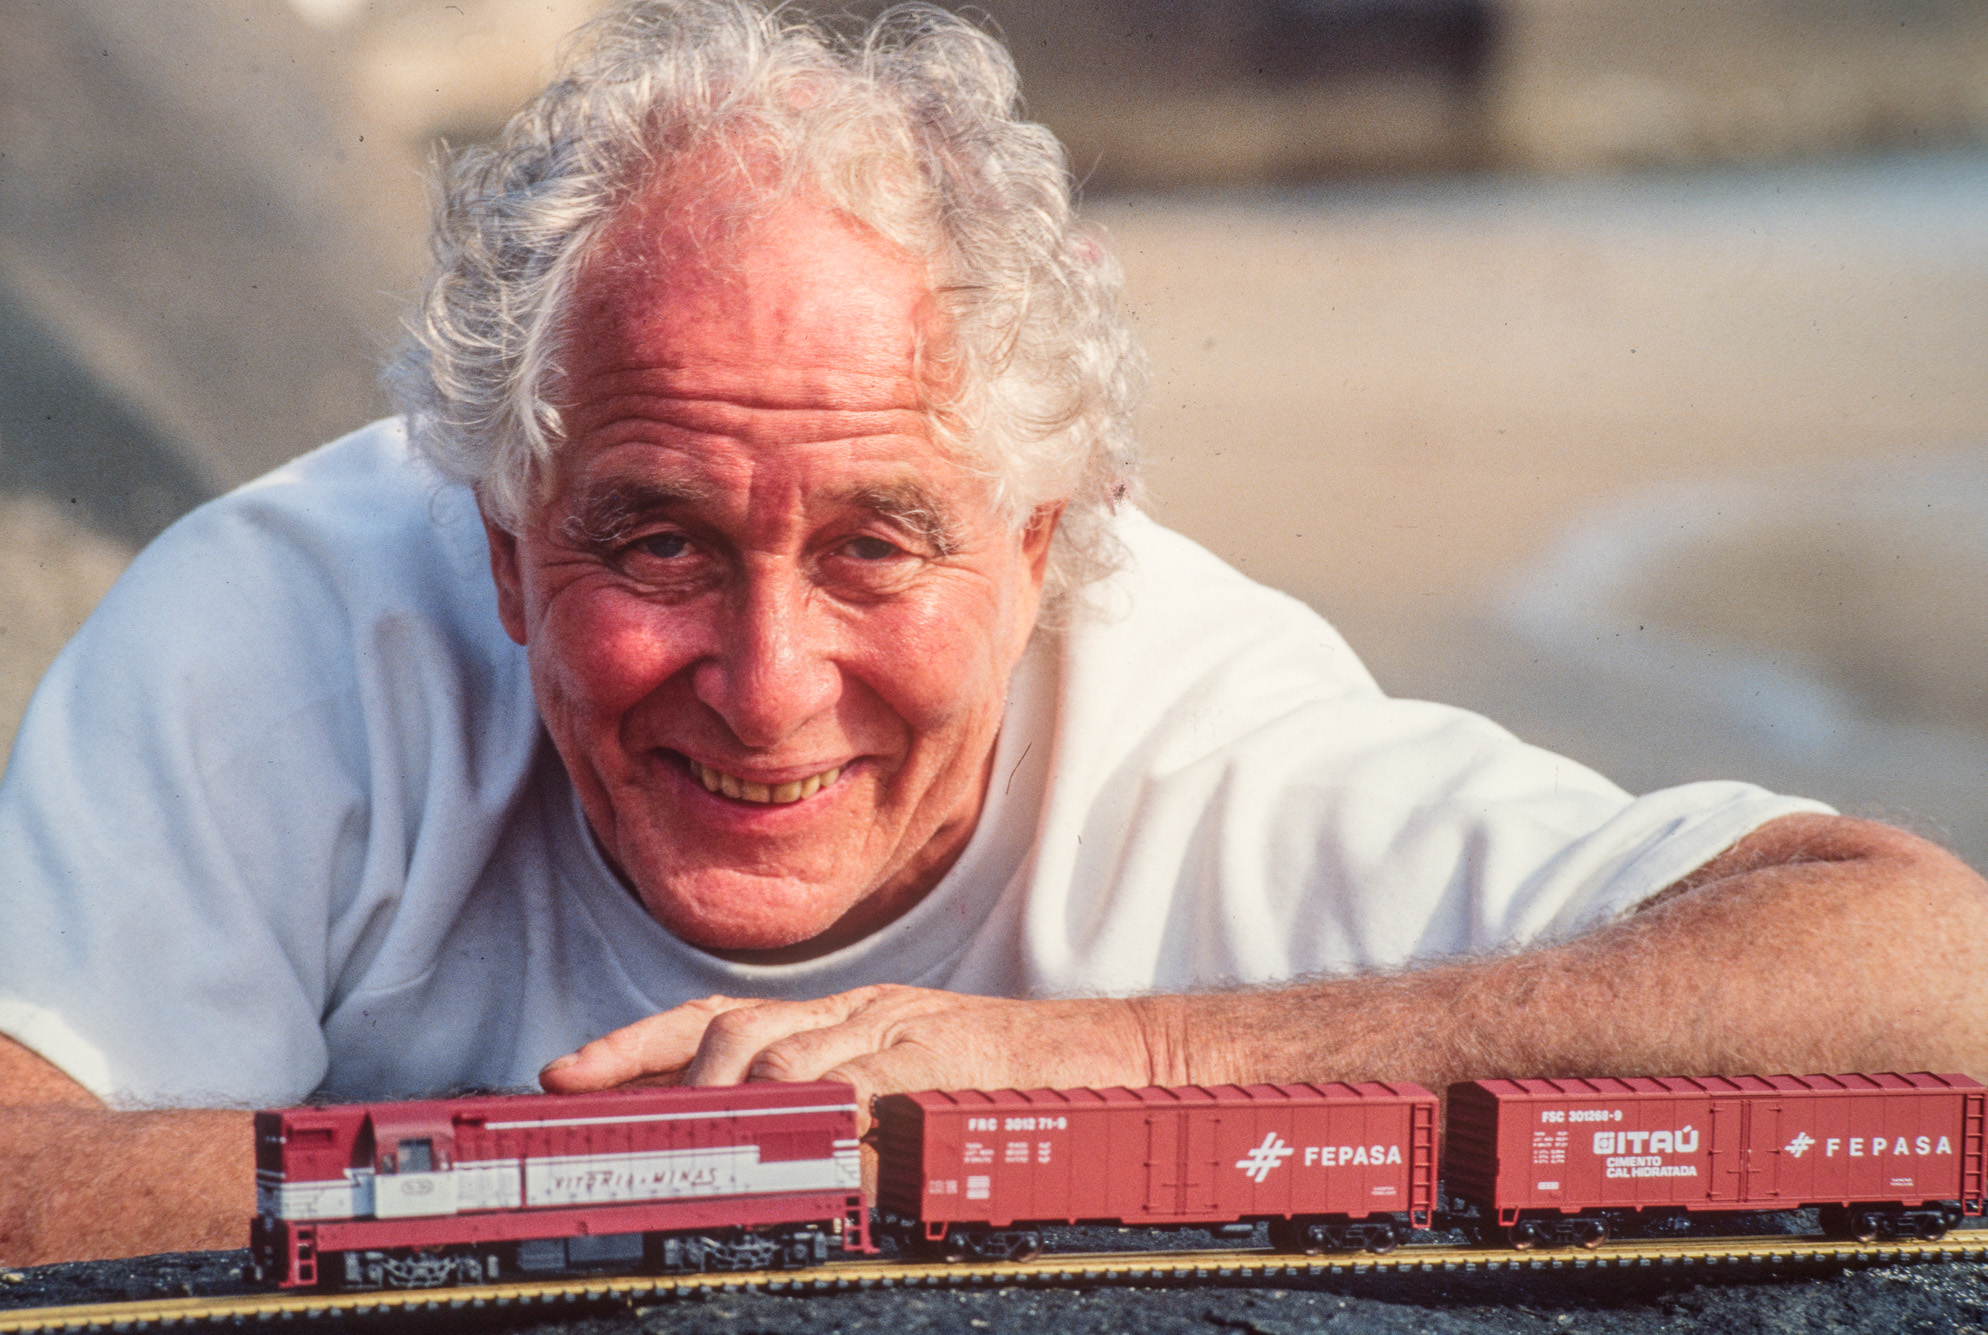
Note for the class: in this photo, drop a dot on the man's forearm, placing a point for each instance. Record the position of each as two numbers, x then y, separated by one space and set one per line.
78 1181
79 1184
1831 957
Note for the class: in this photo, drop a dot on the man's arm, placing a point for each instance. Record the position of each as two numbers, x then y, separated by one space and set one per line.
1817 943
78 1181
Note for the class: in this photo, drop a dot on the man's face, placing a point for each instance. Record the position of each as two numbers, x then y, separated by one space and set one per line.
770 625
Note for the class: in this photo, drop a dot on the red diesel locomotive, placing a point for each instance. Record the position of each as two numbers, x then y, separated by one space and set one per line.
413 1195
767 1175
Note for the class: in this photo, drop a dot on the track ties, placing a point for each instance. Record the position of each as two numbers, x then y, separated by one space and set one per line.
1122 1268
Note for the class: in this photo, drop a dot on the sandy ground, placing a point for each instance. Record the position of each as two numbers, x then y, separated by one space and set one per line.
1414 406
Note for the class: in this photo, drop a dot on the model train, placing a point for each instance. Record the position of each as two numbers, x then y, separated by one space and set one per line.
768 1175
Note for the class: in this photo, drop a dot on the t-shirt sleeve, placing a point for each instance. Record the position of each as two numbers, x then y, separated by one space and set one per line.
183 807
1236 801
1418 832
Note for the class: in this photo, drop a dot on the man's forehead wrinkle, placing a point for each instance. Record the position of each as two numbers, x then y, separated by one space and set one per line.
750 295
745 385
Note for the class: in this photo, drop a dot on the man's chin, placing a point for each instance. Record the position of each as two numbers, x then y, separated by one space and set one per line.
757 925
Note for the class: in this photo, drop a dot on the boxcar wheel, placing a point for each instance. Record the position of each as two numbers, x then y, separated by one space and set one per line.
1855 1222
1296 1235
951 1249
1591 1233
1524 1235
1383 1240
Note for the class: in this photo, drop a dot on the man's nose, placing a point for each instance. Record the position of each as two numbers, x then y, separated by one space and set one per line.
771 672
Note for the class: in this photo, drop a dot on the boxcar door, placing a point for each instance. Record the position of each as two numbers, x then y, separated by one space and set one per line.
1728 1159
1201 1163
1163 1151
1767 1185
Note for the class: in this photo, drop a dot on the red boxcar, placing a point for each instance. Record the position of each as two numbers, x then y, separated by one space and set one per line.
1568 1161
422 1193
1328 1165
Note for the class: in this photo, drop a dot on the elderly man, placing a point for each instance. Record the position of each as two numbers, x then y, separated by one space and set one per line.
743 661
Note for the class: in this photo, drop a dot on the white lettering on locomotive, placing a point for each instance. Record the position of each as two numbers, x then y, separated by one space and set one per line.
662 1175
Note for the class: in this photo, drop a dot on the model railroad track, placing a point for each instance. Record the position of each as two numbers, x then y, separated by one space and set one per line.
1090 1268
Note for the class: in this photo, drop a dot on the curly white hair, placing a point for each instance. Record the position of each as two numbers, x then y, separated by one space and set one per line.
910 126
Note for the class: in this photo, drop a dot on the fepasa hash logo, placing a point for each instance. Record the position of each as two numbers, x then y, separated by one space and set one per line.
1259 1161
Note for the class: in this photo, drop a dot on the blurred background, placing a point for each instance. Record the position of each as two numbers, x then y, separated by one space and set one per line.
1612 368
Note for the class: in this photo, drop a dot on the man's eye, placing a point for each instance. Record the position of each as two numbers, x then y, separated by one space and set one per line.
871 549
663 546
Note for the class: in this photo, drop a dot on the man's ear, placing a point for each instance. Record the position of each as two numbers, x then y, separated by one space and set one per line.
504 570
1036 538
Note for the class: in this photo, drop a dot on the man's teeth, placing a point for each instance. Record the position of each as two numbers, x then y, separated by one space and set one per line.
717 781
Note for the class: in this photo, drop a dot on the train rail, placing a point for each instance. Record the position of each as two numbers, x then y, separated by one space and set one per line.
1095 1268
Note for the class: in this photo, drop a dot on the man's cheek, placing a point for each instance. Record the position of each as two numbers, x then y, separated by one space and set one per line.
605 658
933 663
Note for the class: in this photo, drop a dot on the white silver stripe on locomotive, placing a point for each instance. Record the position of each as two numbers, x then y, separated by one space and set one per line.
849 1108
557 1180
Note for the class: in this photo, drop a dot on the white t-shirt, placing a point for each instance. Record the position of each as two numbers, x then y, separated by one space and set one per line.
283 819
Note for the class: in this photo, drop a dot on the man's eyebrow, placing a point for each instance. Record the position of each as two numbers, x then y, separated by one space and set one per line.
606 515
912 507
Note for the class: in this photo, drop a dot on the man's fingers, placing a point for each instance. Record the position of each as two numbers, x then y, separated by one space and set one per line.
899 1069
660 1046
734 1041
811 1054
729 1040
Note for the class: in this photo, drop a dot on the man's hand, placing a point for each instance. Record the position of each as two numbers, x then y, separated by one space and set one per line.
80 1182
880 1039
1815 944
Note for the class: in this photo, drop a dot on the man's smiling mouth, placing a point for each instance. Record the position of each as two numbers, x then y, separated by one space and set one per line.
779 794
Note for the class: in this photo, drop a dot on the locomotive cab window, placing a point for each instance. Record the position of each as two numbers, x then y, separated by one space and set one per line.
413 1156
